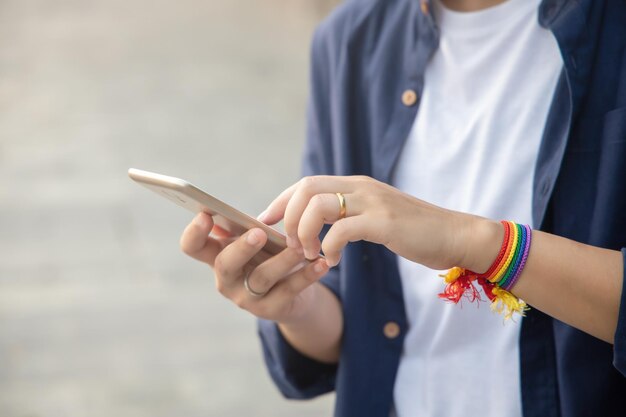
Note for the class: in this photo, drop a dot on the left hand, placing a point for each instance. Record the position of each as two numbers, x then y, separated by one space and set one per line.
376 212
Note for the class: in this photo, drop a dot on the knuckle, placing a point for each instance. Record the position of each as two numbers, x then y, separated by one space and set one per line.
220 268
362 180
317 201
219 286
308 183
241 302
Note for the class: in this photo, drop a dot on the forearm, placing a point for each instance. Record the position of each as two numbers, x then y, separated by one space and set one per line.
576 283
318 334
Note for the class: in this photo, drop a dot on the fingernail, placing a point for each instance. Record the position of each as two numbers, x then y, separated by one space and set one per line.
253 238
319 267
309 254
261 216
200 220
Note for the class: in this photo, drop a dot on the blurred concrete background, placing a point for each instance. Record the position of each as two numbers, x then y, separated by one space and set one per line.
100 312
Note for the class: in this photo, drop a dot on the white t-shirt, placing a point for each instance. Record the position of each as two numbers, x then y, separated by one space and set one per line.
472 148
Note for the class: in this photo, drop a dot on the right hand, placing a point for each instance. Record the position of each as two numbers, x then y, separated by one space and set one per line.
290 296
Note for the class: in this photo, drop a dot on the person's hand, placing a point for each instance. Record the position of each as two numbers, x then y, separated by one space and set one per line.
287 296
379 213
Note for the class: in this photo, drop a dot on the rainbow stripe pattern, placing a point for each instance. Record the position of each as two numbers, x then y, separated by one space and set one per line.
501 276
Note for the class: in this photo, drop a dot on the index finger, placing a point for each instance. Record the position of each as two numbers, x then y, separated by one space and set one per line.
276 210
301 196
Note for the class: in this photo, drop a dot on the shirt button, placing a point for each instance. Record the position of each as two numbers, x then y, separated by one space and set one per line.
424 6
409 98
391 330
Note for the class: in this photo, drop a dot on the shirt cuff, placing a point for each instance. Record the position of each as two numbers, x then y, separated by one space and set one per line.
297 376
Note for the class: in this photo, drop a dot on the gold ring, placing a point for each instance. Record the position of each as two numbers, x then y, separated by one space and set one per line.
342 205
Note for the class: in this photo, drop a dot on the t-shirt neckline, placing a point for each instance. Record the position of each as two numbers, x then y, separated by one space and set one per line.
491 18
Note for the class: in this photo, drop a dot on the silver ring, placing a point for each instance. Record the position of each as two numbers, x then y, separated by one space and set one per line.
253 293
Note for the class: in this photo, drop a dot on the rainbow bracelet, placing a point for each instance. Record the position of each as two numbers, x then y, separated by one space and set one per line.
507 286
501 276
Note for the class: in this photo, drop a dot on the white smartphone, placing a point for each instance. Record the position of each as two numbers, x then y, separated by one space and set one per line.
195 200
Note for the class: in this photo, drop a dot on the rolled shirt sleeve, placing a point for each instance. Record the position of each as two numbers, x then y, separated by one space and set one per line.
296 375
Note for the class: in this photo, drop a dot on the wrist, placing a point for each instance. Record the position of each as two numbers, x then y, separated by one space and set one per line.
305 313
483 242
317 332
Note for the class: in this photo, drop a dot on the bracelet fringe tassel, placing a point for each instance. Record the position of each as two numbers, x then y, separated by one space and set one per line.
501 276
460 284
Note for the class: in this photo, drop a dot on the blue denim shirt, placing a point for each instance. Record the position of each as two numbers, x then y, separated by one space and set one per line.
364 56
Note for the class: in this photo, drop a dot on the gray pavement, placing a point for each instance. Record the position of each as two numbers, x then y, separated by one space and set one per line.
100 313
